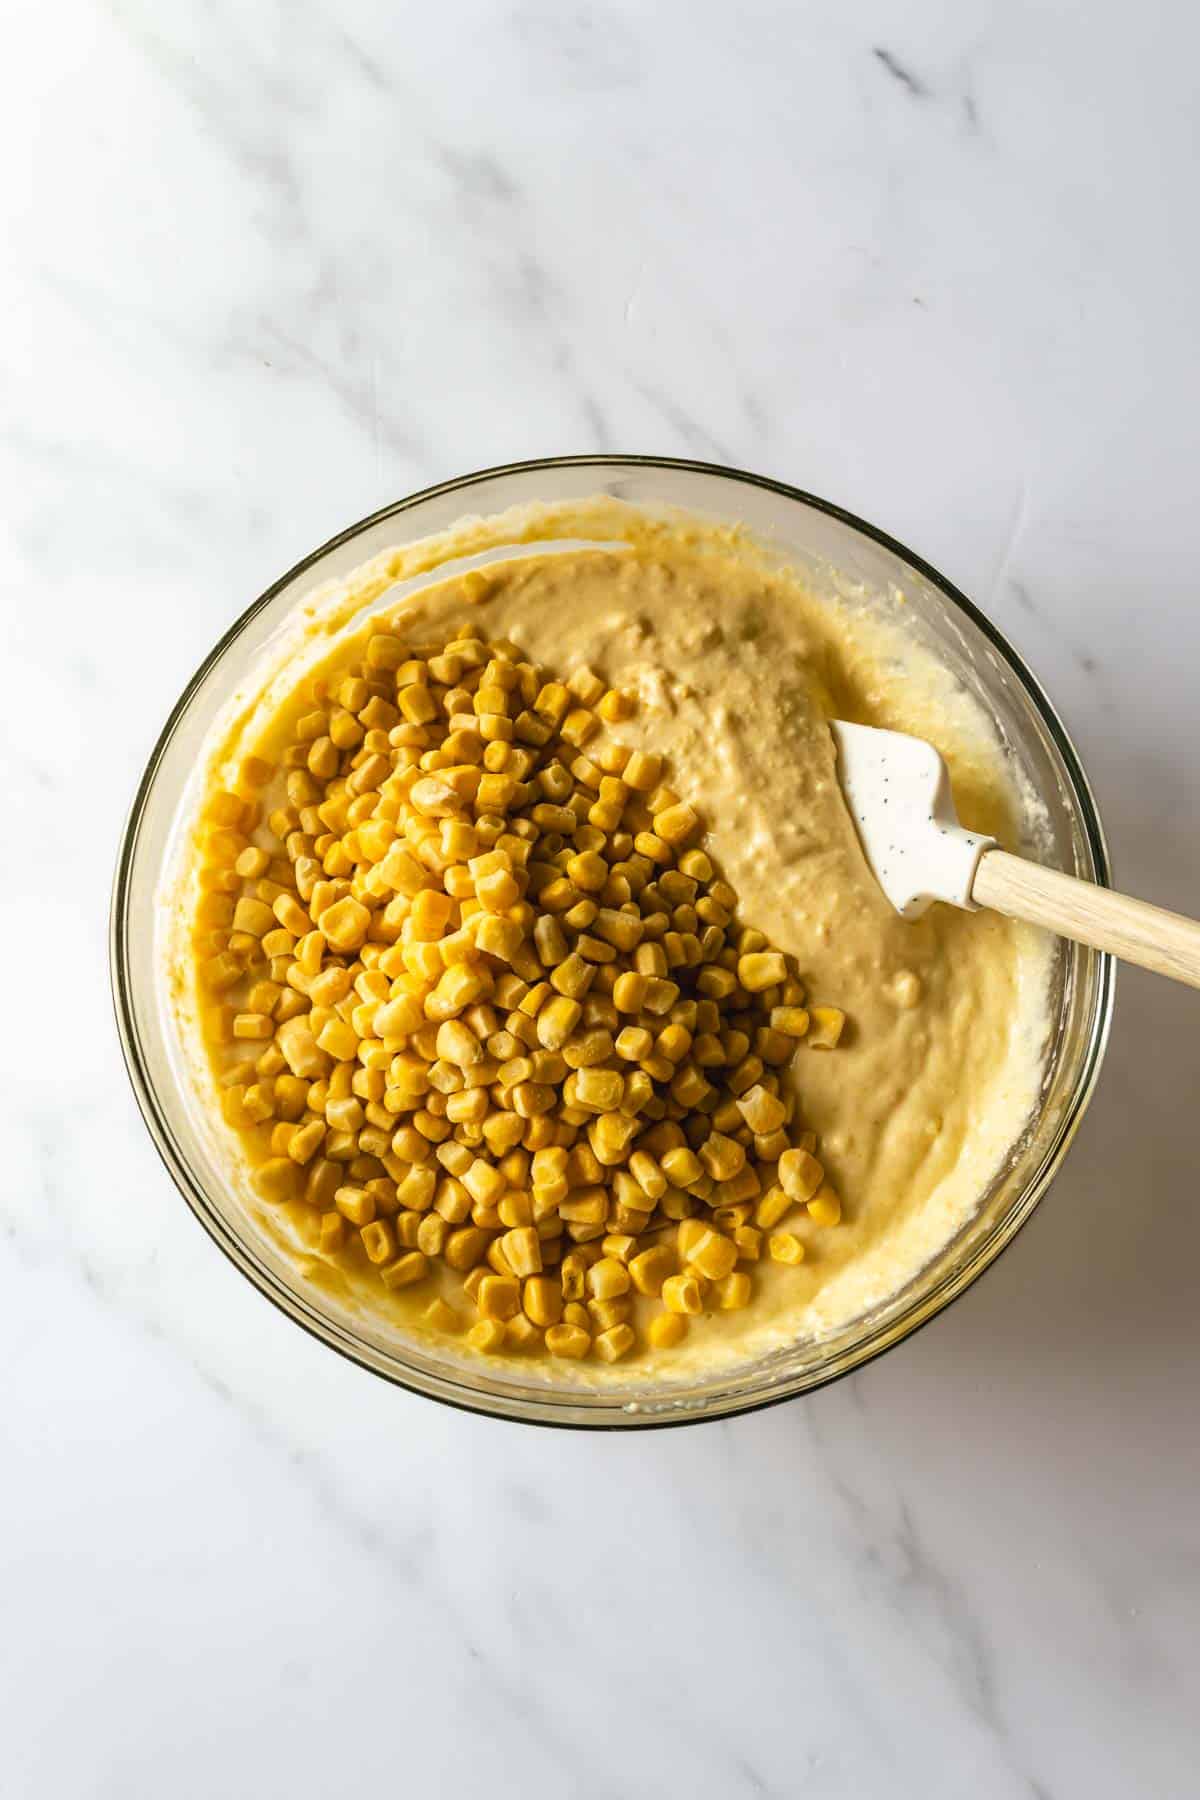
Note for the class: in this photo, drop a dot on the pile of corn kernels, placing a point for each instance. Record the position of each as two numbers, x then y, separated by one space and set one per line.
479 998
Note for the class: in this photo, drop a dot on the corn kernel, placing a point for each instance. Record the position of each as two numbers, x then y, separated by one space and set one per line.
484 1182
344 924
254 917
416 1191
600 1090
608 1279
604 1314
650 1269
749 1242
573 1276
521 1333
441 1316
609 1136
499 1297
642 772
487 1335
676 824
522 1248
681 1294
666 1330
552 702
629 991
681 1166
800 1174
826 1028
774 1206
722 1157
614 1343
586 1206
252 1025
277 1180
573 976
431 1233
825 1208
556 1020
306 1141
543 1300
355 1204
338 1039
379 1241
614 706
579 726
333 1234
568 1340
762 1111
457 1043
732 1291
405 1271
714 1255
465 1248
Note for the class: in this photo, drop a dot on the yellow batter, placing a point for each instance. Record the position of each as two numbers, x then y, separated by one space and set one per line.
737 668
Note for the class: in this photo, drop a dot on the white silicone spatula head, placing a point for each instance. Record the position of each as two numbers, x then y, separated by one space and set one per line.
898 792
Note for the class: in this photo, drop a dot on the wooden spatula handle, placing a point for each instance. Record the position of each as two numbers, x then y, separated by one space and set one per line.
1132 929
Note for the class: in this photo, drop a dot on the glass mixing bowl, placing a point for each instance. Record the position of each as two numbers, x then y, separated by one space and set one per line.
834 548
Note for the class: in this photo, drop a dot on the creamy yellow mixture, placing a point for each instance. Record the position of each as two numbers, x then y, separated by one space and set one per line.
738 667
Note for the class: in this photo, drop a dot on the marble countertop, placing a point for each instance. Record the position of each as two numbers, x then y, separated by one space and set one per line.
269 267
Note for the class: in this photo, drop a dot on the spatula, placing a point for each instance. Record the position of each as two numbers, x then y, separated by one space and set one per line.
898 792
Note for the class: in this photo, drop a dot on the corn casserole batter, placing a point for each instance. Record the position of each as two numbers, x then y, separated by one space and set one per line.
536 984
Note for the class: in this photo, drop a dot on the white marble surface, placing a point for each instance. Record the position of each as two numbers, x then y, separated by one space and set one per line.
269 266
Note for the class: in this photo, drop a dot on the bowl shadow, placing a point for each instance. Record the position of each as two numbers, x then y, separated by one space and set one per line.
1082 1342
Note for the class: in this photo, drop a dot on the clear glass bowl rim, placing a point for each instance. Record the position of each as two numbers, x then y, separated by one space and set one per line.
539 1410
